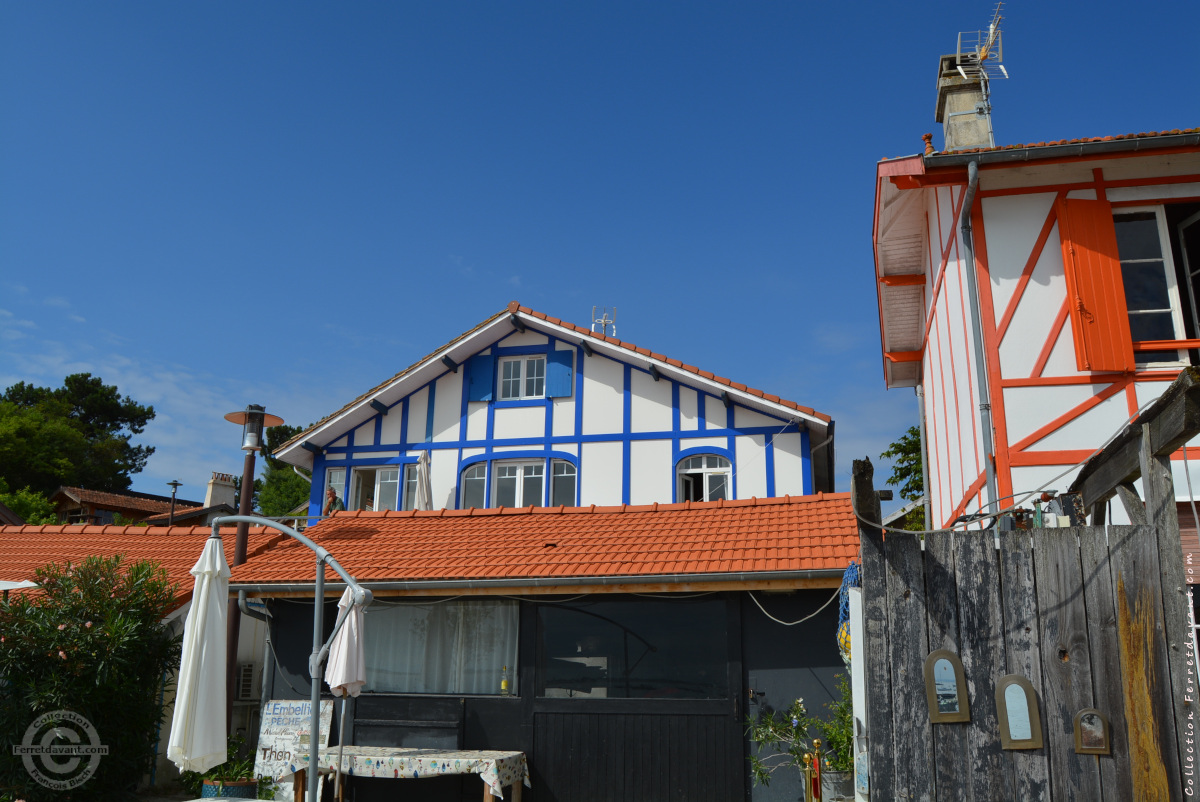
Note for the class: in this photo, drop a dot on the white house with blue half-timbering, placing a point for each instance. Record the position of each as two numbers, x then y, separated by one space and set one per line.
525 410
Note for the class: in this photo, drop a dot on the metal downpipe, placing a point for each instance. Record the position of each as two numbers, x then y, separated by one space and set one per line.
985 406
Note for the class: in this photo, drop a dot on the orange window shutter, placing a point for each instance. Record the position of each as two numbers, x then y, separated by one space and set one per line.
1095 292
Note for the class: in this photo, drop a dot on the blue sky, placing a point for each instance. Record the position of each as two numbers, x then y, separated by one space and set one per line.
214 204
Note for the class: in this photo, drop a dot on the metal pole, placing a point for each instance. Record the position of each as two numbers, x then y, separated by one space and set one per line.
316 673
235 614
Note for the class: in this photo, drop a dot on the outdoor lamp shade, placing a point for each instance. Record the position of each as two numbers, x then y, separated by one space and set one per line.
253 419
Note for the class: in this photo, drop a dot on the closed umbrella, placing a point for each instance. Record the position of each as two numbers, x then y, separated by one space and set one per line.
197 741
346 673
424 483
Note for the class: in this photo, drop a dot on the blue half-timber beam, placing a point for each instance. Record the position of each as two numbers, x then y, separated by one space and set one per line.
309 446
726 400
654 374
450 363
517 323
378 406
587 349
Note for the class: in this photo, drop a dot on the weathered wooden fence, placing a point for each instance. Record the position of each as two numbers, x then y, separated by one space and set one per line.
1092 617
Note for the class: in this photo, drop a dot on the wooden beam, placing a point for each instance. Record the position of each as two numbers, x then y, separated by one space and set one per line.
902 356
904 280
1132 503
1172 420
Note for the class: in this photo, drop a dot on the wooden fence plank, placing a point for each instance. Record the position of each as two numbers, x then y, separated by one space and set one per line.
977 581
1145 673
911 737
1066 661
1163 515
875 631
1030 768
1098 594
941 602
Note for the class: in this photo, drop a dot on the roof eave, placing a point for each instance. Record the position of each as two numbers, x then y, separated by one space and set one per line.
1063 151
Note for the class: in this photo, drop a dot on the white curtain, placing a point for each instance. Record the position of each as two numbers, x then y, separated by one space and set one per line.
457 646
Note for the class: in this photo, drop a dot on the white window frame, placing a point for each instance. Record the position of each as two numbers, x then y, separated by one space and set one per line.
522 468
338 485
526 372
463 479
684 476
383 475
1161 359
408 486
567 469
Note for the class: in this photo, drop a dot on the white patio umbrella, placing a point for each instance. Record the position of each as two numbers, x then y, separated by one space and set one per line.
346 673
424 483
197 741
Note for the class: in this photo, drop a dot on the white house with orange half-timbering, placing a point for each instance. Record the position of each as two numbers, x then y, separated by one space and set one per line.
1036 296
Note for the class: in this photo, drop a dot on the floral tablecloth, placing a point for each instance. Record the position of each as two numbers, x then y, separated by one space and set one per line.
496 769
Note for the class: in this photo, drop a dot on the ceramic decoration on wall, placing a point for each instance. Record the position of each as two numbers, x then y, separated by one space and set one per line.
1091 733
946 688
1017 709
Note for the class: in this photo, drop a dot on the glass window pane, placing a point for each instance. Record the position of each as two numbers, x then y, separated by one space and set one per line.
362 490
336 478
387 489
474 485
506 490
453 646
510 384
531 486
563 488
410 487
1137 236
717 484
1153 326
535 377
633 648
1145 286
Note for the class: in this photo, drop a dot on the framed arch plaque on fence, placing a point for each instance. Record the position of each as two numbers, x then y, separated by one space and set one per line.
946 688
1017 709
1091 732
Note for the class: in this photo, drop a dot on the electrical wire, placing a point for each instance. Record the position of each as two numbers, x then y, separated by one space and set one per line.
837 593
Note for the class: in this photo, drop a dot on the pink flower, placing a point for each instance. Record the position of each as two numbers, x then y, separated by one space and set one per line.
62 627
88 625
62 654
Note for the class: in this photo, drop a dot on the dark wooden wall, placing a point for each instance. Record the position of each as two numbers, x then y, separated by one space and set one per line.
1078 612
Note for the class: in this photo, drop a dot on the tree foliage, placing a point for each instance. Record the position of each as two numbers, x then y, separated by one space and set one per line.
78 434
281 490
90 643
907 473
31 506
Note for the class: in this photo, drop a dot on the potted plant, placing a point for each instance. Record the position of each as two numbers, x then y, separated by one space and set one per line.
233 779
792 735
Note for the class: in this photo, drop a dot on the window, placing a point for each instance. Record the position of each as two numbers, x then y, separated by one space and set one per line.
522 377
633 649
374 489
474 487
518 484
410 487
335 478
562 484
1148 277
704 478
456 646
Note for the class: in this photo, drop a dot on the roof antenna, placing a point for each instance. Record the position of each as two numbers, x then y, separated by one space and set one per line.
978 59
604 322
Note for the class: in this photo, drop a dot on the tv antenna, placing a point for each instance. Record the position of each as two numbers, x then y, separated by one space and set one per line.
979 57
604 322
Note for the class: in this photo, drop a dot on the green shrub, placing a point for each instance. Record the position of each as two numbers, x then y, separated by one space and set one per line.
90 642
792 734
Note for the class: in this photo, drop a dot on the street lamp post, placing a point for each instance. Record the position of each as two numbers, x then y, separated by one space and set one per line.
253 420
174 484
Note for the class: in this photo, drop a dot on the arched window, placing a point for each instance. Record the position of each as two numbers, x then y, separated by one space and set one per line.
705 477
519 483
474 486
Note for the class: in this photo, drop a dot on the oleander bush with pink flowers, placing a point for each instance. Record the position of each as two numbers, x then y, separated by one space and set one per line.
89 640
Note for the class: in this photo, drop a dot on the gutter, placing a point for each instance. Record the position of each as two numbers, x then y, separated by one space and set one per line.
569 581
1040 152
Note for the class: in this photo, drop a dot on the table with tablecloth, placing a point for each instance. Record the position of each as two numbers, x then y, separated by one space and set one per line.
496 768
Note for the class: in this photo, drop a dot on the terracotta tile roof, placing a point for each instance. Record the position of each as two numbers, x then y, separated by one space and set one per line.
583 331
190 514
27 548
792 533
1085 140
124 499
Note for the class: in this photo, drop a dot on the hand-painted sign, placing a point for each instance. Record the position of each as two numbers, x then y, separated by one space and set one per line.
284 729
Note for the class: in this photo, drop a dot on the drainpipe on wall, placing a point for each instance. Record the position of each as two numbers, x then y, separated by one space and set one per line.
985 406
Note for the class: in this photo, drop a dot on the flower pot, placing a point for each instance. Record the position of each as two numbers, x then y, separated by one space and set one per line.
837 785
230 789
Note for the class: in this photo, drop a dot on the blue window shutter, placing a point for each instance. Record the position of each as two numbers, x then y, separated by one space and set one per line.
559 379
481 377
